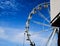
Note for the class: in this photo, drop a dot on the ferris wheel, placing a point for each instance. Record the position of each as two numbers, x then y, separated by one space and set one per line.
39 19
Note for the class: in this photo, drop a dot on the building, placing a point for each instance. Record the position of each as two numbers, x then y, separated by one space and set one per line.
55 16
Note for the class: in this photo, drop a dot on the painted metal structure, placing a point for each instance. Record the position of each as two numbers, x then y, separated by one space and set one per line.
55 20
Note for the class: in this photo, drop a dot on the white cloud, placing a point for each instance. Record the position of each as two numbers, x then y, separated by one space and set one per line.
15 34
42 41
19 36
8 4
2 33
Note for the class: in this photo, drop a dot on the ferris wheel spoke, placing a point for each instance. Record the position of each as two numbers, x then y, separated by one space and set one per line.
40 14
48 10
42 31
36 22
51 37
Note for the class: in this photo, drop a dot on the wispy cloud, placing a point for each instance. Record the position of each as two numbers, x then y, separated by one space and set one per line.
2 33
19 36
15 34
7 4
10 4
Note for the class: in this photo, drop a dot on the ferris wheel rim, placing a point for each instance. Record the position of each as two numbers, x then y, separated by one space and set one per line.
30 17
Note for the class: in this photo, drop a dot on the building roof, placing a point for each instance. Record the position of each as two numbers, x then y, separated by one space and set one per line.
56 21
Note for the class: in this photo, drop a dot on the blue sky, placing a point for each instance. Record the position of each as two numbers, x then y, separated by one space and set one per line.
13 17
